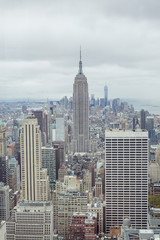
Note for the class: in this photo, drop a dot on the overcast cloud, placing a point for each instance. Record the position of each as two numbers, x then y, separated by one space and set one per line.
40 40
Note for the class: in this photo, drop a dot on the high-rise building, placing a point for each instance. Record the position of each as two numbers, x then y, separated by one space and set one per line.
80 142
4 202
105 95
34 180
143 119
3 155
15 169
87 181
98 187
126 178
31 220
60 134
42 118
151 130
49 162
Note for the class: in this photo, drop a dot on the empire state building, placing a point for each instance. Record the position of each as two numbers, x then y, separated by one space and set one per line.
80 142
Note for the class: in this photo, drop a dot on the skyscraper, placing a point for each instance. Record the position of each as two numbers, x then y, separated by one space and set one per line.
143 119
80 142
105 95
4 202
49 162
126 178
34 180
3 155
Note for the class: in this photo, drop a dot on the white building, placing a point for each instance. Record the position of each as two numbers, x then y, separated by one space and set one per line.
4 202
34 179
31 221
126 178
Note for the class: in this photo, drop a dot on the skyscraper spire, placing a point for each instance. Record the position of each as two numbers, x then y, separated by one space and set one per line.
80 63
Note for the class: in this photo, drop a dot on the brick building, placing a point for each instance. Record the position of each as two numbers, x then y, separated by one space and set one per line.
83 226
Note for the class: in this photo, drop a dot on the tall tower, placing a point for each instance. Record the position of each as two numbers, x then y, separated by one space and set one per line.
80 142
105 95
3 155
143 119
126 178
34 180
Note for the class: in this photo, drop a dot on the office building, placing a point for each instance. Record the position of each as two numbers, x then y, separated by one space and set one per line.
64 207
3 230
34 179
4 202
31 220
143 119
49 162
98 187
62 171
3 155
42 118
87 181
80 142
151 130
60 134
14 169
126 178
97 208
105 95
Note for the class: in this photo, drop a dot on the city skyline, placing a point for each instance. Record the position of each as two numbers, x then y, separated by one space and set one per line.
39 53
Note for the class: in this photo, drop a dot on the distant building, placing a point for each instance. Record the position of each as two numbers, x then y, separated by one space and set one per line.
126 177
151 130
105 95
4 202
102 102
15 169
80 142
98 187
143 119
60 134
61 173
87 181
31 220
115 105
42 118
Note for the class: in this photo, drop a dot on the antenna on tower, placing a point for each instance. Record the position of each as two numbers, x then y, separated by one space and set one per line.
80 52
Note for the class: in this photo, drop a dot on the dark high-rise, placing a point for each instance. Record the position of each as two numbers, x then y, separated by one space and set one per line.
105 95
143 119
3 155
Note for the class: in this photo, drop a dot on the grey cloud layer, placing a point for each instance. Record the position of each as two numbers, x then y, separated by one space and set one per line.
40 41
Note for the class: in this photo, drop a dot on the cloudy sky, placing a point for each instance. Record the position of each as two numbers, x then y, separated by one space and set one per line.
40 41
